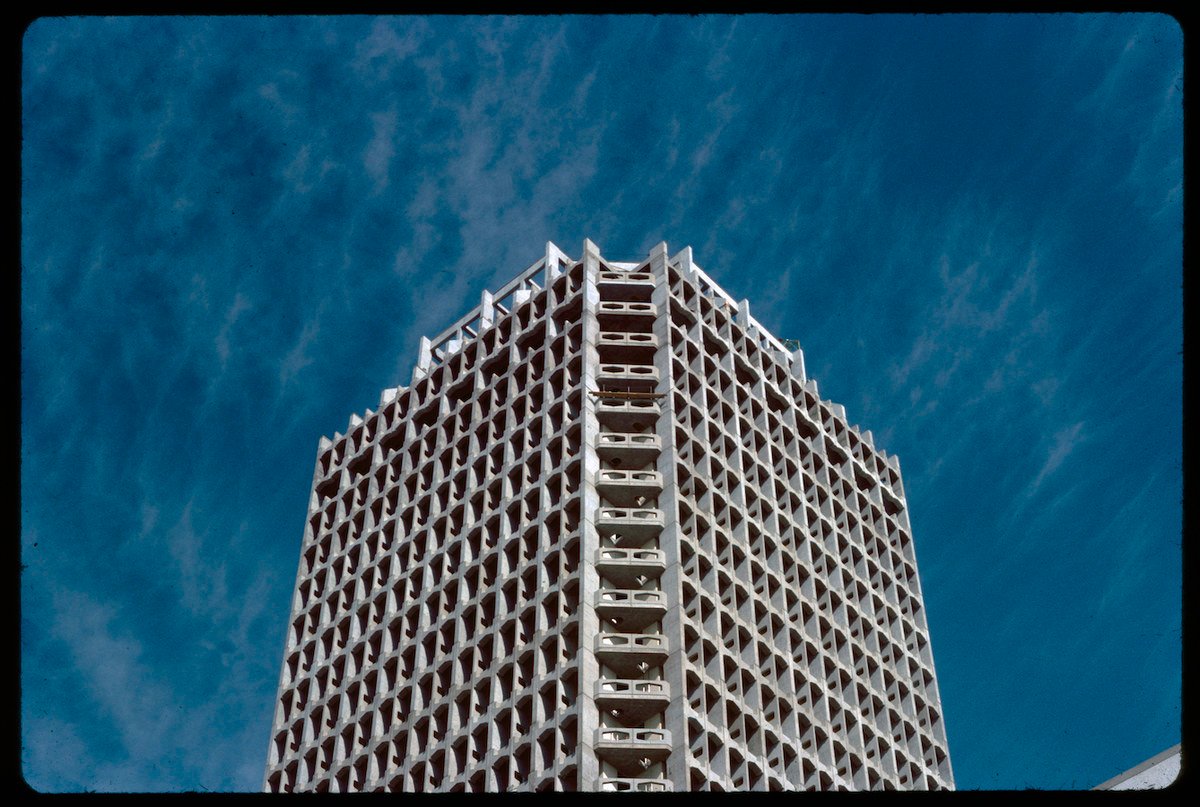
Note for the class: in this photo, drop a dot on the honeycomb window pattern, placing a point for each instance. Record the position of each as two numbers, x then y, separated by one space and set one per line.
609 538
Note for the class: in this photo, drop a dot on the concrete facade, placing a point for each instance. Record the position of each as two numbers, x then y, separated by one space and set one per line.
609 538
1160 771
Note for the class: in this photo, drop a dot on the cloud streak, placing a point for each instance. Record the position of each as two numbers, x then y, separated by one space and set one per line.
1065 441
235 230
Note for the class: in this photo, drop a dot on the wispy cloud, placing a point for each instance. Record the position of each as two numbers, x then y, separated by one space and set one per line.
234 231
1065 441
972 319
202 583
113 677
297 171
378 156
240 305
390 42
298 357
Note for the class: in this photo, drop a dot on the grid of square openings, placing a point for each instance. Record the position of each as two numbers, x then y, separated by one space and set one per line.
807 652
439 577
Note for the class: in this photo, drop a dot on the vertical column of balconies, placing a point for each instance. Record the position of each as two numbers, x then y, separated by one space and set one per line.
609 503
631 692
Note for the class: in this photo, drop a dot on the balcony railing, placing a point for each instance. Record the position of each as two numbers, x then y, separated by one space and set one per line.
628 784
633 450
630 610
628 527
631 701
627 487
620 316
624 567
628 348
632 750
631 654
631 377
628 416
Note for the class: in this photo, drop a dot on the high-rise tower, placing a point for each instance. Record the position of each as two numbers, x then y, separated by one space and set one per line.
609 538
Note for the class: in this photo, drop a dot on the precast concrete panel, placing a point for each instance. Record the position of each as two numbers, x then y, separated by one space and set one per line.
609 538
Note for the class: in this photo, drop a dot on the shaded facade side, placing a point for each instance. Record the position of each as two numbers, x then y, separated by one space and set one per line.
434 642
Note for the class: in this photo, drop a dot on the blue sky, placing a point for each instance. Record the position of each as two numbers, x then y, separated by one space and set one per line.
234 231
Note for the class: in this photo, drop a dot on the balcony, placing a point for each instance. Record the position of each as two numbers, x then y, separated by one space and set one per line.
631 654
892 504
628 528
627 784
632 701
630 609
627 416
623 567
627 348
631 377
627 487
631 751
615 316
628 450
625 286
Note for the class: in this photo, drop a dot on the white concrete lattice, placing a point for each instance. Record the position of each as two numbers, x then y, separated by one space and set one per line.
608 538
